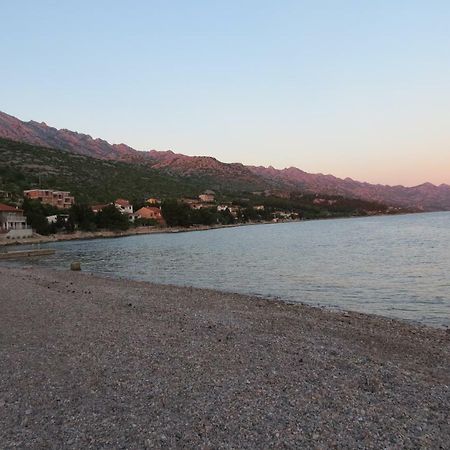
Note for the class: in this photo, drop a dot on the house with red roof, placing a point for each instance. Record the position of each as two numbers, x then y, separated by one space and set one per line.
150 212
124 206
13 224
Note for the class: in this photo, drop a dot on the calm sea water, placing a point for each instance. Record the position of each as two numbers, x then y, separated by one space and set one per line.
396 266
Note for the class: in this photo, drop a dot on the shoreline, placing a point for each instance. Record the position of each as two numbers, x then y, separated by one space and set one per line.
139 231
104 362
106 234
252 296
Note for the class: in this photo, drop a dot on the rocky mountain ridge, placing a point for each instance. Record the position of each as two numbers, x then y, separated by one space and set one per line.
425 196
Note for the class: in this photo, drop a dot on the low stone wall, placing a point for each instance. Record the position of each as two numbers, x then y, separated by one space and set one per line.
19 234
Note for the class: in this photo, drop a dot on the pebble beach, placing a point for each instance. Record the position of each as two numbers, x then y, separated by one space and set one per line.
91 362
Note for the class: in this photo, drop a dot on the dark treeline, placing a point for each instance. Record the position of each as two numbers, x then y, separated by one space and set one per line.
79 216
305 206
179 214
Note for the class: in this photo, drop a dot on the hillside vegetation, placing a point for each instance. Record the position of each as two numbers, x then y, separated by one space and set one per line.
92 180
24 166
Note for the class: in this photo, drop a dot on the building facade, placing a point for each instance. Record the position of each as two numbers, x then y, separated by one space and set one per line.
59 199
11 218
124 206
13 224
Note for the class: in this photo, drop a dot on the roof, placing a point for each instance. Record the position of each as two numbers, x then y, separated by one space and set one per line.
52 191
209 192
99 207
148 212
122 202
7 208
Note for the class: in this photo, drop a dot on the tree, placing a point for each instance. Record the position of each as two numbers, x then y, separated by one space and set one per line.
36 215
81 216
112 219
176 213
250 214
226 217
204 216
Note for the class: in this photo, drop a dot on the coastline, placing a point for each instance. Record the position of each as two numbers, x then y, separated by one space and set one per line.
138 231
100 362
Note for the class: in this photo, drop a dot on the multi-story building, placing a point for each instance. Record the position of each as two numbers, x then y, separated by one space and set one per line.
13 224
60 199
11 218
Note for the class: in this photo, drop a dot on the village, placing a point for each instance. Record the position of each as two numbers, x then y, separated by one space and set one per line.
47 211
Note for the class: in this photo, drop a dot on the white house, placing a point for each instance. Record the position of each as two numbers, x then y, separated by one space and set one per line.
13 224
124 206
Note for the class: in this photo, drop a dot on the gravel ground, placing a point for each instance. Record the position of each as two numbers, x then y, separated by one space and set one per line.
88 362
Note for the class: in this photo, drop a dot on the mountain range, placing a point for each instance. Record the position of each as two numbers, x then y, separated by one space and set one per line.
427 197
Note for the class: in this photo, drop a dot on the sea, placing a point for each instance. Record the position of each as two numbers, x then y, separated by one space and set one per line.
393 266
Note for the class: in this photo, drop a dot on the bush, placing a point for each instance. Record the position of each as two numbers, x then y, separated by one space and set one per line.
145 222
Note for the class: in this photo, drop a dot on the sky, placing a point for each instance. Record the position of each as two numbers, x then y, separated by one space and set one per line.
357 89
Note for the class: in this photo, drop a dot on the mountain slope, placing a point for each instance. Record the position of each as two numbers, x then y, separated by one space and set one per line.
222 175
207 166
213 172
426 196
41 134
24 166
93 180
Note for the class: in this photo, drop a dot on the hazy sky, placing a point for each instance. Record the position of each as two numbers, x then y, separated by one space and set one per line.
353 88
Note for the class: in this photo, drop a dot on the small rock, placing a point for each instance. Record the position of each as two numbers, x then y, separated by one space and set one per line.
75 265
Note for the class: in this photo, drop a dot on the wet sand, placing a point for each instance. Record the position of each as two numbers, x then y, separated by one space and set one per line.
90 362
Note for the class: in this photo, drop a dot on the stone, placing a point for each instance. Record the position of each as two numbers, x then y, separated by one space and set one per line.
75 265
